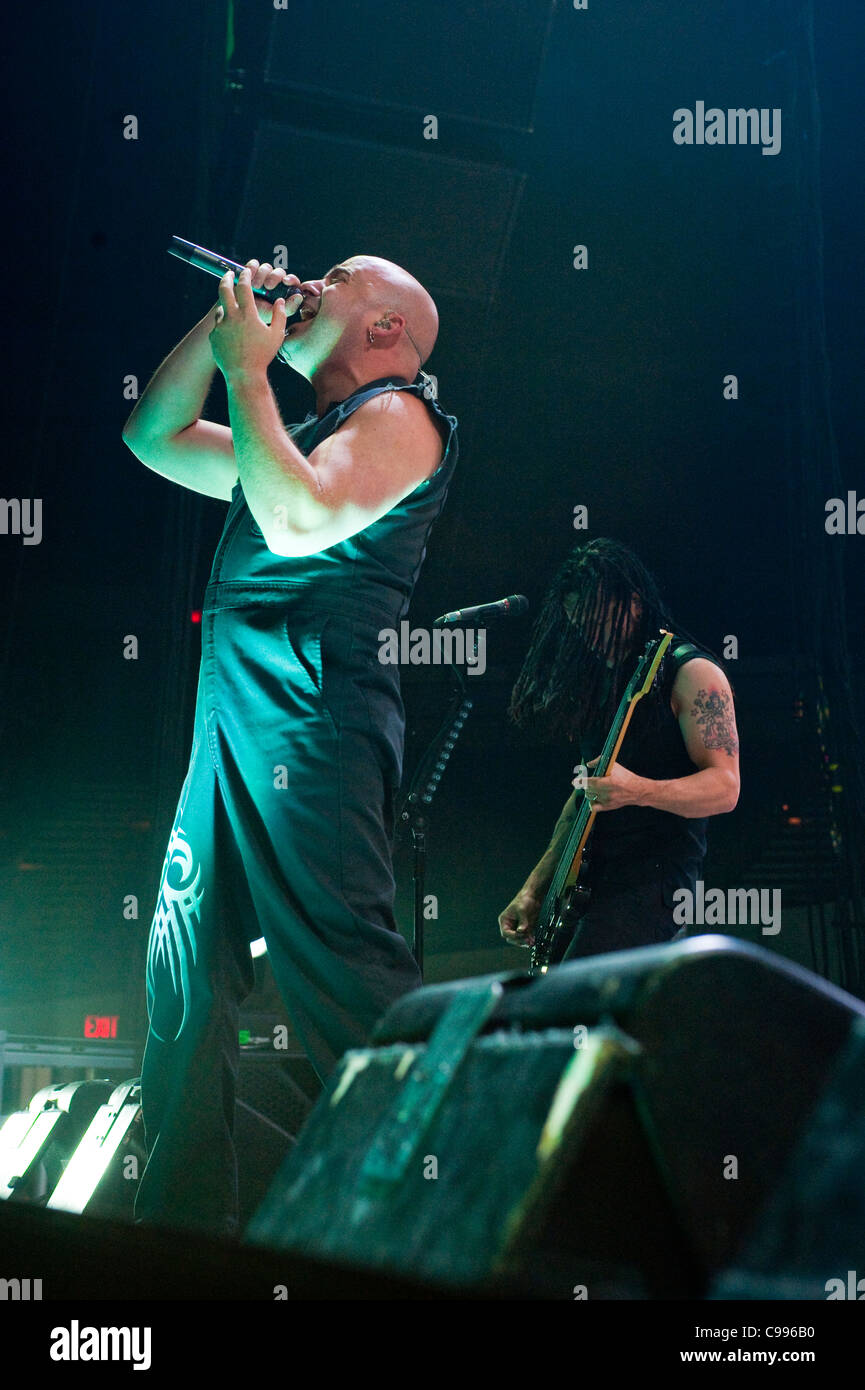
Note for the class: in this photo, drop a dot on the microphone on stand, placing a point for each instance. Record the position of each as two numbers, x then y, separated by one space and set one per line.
214 264
502 608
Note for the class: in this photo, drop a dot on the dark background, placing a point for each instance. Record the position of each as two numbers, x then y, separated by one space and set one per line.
305 127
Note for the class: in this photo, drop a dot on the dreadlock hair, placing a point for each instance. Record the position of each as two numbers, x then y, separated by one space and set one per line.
565 684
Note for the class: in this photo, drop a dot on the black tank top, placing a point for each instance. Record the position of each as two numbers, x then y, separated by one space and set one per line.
653 747
370 575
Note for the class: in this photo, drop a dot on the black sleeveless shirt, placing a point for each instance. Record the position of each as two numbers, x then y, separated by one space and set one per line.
370 575
652 747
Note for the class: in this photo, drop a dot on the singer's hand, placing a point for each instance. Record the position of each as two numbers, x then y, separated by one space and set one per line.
265 276
242 343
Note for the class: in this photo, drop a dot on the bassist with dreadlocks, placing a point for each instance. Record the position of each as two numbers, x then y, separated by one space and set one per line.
678 763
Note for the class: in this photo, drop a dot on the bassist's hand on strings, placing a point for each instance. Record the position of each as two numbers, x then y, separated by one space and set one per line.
517 922
520 918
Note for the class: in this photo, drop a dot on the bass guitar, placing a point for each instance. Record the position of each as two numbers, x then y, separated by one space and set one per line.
567 897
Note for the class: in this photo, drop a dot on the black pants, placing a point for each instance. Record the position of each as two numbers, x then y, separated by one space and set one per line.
630 906
282 831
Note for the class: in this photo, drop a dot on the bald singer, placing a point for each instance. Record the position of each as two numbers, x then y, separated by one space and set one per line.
284 824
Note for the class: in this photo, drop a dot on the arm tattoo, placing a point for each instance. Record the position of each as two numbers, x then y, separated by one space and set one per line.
714 715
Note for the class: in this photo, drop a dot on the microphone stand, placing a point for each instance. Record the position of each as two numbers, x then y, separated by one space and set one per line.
424 785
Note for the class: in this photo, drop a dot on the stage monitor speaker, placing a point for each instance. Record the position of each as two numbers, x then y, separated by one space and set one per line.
609 1130
809 1241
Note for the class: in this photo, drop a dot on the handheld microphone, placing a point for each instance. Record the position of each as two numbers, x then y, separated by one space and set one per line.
214 264
502 608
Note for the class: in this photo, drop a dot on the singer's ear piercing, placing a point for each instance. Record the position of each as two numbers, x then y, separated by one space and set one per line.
371 335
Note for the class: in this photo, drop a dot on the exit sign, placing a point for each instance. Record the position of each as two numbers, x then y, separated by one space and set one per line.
100 1026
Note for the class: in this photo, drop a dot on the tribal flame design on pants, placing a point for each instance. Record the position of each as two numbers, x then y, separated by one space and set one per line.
173 932
302 859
